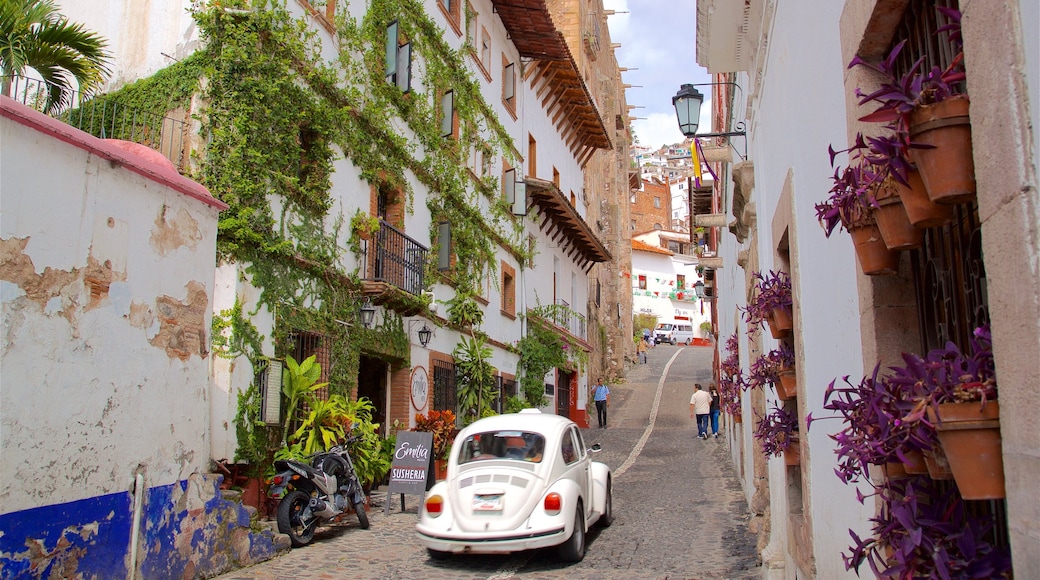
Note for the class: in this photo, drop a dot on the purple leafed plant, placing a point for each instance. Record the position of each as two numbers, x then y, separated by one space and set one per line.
899 94
775 431
948 375
772 291
767 367
924 530
881 424
851 198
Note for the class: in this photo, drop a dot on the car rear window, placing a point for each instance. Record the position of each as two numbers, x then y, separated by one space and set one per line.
514 445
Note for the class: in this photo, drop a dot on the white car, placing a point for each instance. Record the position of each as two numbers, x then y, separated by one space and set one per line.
517 482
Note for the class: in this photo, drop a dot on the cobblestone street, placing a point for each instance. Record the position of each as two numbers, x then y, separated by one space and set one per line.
678 506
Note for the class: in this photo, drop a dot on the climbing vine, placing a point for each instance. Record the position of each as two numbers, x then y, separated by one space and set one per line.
276 119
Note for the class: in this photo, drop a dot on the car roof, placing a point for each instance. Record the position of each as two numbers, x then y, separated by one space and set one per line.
544 423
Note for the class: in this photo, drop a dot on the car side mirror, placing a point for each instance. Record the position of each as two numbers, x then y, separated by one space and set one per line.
595 448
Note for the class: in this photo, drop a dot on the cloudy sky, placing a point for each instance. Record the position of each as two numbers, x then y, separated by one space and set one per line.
657 38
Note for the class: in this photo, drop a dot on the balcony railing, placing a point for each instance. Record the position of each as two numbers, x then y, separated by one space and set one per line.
561 315
396 259
104 117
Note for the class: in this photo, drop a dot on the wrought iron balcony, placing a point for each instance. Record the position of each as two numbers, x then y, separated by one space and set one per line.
396 259
105 118
561 316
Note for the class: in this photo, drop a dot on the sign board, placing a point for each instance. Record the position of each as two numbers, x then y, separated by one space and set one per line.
412 469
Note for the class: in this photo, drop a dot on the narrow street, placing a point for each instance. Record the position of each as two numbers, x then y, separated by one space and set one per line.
679 512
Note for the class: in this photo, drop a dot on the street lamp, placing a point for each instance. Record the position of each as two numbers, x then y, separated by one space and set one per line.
687 103
367 312
698 289
424 335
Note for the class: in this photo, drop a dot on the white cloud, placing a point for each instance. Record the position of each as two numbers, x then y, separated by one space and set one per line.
659 129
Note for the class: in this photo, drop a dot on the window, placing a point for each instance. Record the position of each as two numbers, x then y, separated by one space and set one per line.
632 199
449 125
485 51
568 447
508 445
632 226
680 281
471 27
532 156
508 290
451 11
642 282
508 183
398 59
574 199
509 85
657 202
556 177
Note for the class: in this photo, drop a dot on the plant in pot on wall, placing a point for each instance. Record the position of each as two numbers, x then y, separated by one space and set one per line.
731 379
959 393
777 432
851 207
932 107
882 425
776 368
442 425
771 303
924 531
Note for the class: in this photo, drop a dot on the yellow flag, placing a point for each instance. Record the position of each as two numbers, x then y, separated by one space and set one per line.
696 161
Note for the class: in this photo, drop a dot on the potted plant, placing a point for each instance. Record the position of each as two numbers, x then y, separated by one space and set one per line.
899 179
933 108
924 531
778 434
775 367
959 397
771 303
882 425
851 207
254 447
442 425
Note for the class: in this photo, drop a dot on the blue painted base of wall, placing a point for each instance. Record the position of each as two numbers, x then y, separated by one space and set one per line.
187 531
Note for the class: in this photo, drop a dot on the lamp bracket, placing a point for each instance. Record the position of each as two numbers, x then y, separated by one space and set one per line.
728 135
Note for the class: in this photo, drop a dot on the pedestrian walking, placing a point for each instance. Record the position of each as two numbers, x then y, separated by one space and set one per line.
700 406
641 350
601 396
715 400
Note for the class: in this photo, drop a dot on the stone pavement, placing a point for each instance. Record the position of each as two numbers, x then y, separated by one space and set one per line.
679 510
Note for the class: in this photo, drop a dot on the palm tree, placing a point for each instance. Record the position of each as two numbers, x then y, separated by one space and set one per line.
33 34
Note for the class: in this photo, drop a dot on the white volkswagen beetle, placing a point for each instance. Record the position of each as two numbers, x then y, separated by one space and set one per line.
517 482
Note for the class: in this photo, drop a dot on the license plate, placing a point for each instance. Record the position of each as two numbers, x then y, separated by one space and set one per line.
487 502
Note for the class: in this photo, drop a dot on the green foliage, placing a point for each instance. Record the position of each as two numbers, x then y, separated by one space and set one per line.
541 350
33 34
298 381
464 312
254 437
234 335
515 405
643 321
323 426
368 449
475 379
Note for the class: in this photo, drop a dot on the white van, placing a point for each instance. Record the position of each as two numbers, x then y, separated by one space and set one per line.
674 333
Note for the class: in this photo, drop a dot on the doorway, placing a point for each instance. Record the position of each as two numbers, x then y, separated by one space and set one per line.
372 374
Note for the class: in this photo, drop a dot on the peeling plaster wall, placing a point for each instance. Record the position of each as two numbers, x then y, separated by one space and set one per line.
106 273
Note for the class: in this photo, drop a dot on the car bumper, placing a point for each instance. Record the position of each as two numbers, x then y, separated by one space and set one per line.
481 543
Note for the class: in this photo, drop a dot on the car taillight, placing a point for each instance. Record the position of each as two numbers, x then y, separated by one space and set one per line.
553 503
434 505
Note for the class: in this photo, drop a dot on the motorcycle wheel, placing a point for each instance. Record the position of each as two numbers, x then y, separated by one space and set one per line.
359 509
289 522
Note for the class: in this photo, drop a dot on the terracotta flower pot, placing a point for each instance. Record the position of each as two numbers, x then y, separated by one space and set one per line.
970 437
787 387
946 167
782 319
738 418
774 329
915 464
938 466
793 453
895 226
875 259
896 470
920 210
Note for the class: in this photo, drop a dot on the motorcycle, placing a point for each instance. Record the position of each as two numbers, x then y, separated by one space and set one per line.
314 494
